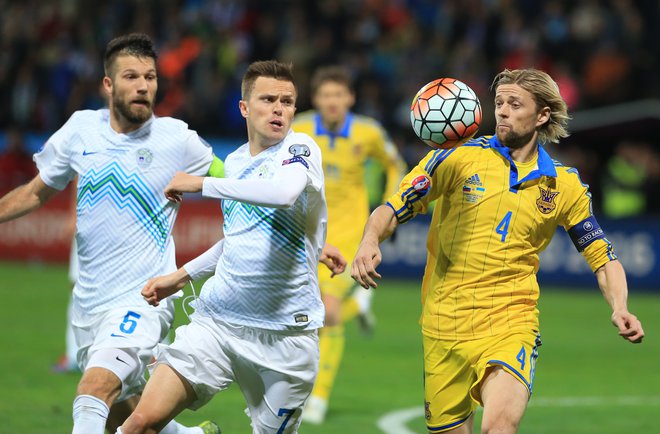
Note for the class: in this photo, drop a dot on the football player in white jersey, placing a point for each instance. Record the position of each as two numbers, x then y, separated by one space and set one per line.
256 319
123 157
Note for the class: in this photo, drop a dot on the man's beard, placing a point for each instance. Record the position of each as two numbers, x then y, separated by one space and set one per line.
513 140
134 117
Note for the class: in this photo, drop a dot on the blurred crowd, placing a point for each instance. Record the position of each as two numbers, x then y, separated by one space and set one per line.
600 52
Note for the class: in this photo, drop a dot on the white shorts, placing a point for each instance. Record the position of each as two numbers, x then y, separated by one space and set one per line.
274 369
135 331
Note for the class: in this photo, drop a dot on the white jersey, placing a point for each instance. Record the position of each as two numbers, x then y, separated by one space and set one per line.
267 274
124 222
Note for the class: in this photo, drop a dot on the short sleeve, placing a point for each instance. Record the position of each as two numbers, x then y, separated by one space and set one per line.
54 160
198 155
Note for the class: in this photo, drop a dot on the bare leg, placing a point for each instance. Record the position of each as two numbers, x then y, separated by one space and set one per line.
505 400
167 394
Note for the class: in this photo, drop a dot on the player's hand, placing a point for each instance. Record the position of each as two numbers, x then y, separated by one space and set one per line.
363 270
161 287
182 183
630 328
332 258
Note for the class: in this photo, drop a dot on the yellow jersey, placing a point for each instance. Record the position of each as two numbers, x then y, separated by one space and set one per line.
345 154
489 225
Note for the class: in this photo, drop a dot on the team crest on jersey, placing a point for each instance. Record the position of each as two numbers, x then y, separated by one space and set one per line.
427 410
421 184
473 189
299 150
144 157
546 202
263 172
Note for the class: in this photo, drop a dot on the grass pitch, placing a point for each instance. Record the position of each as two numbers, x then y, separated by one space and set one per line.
588 379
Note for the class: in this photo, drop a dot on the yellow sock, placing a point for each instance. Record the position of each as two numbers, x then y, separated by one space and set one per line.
331 343
350 308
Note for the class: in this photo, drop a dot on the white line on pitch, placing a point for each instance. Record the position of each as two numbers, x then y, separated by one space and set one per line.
395 422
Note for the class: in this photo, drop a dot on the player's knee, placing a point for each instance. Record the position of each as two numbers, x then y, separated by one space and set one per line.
332 318
100 385
106 371
138 423
499 425
332 312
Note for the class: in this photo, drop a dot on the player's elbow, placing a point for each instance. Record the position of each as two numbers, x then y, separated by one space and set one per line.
285 201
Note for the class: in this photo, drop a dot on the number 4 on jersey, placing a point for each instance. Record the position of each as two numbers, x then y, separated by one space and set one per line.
503 227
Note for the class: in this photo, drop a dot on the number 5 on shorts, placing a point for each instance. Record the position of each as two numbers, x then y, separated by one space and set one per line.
129 323
288 412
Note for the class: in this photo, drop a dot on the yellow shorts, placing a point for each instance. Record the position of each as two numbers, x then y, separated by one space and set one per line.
340 286
453 371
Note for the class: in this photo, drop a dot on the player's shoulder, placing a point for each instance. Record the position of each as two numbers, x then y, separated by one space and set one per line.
366 124
304 118
169 123
567 174
79 122
302 139
475 148
88 118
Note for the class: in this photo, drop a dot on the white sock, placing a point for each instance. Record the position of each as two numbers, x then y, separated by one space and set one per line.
363 298
89 415
175 427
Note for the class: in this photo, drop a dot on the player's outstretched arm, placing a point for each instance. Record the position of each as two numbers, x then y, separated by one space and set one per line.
612 282
332 258
25 199
182 183
158 288
379 227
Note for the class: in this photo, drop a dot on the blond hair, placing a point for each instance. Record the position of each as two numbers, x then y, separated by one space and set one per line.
545 92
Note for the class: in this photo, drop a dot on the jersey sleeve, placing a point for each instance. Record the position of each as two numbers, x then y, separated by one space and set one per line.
422 185
54 159
385 153
583 228
298 167
198 155
304 154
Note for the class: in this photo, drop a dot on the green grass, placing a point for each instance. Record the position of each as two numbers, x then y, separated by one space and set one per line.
581 356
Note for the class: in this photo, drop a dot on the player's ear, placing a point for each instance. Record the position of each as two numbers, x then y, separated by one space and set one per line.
242 105
543 116
107 85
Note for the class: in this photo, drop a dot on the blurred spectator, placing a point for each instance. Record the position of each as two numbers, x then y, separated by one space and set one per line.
16 166
629 173
600 51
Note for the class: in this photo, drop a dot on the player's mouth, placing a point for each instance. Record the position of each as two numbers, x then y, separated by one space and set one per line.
277 124
503 126
141 102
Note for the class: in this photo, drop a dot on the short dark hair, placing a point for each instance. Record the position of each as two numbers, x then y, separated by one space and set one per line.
334 74
265 68
133 44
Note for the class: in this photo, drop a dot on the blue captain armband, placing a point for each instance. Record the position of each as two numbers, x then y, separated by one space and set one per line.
585 233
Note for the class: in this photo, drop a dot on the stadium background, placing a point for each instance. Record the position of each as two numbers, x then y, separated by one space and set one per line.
604 54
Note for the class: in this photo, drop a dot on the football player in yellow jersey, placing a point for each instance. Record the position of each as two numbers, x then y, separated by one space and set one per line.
347 140
499 201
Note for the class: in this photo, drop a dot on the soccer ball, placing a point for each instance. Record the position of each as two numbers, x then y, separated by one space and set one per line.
445 113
